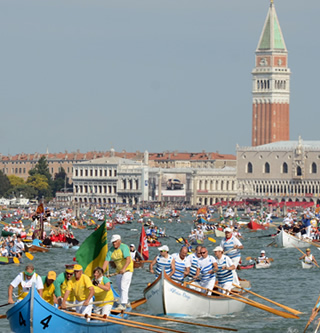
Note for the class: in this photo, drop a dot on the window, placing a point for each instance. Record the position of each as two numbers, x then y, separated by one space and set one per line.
314 168
267 168
299 171
284 167
249 168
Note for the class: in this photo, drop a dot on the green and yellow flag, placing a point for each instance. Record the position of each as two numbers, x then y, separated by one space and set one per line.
93 251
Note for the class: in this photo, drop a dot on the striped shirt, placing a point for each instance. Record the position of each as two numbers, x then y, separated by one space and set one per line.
228 244
224 275
193 259
163 263
206 265
180 266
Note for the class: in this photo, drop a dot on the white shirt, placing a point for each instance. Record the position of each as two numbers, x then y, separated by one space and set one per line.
27 284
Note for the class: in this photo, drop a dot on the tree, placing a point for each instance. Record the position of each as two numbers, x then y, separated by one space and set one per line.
15 180
26 190
60 181
40 184
4 183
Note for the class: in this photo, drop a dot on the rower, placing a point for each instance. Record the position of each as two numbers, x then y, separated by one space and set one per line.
12 251
225 268
83 290
119 253
19 246
135 255
49 288
193 259
262 259
61 284
163 261
102 292
182 264
207 266
308 257
24 281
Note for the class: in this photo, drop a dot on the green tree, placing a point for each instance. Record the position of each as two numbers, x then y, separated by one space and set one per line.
26 190
4 183
40 184
15 180
60 181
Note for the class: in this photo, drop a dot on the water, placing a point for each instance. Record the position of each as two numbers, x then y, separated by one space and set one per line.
285 282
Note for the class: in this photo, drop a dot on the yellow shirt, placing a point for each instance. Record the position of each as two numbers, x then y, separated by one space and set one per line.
48 292
118 256
63 288
80 287
102 295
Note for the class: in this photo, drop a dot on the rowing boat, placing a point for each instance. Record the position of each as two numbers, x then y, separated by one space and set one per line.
257 226
262 265
33 315
35 248
219 233
6 260
307 265
167 297
283 239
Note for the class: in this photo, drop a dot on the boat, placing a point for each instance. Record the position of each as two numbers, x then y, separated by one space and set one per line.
197 242
138 264
283 239
156 243
33 314
307 265
35 248
167 297
257 226
262 265
219 233
247 266
6 260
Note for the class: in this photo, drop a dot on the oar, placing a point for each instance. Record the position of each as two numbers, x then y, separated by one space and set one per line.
91 303
4 305
145 261
173 320
249 302
3 316
16 260
115 321
314 313
304 254
138 302
271 301
211 239
29 255
270 259
138 323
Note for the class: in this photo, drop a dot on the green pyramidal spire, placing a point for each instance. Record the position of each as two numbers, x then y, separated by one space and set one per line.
271 37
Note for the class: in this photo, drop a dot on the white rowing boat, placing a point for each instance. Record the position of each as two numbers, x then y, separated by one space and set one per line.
283 239
262 265
167 297
219 233
307 265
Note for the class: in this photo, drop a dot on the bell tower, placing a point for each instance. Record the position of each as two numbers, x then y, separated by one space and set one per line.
271 85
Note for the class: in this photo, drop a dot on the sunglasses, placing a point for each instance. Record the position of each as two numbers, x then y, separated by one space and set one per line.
163 251
203 252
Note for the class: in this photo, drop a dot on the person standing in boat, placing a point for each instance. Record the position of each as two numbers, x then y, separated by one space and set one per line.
24 281
207 265
19 246
135 255
102 292
119 253
62 282
232 245
193 259
83 290
225 270
308 257
262 259
182 264
163 261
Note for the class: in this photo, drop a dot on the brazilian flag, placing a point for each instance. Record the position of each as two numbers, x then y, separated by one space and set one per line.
93 251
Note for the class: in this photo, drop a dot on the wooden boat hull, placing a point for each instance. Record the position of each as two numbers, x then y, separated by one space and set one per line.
33 315
306 265
138 264
35 248
257 226
285 240
166 297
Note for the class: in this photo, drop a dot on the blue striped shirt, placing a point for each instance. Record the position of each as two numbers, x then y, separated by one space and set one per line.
206 265
193 259
224 275
163 263
228 244
180 266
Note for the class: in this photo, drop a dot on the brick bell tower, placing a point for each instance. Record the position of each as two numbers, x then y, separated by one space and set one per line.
271 85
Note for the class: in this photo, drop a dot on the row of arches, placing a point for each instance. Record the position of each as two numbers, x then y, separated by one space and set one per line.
284 168
95 200
216 185
95 172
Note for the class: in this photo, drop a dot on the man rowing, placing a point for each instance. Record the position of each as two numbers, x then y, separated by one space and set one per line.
83 290
24 281
61 284
163 262
119 253
308 257
182 264
193 259
262 259
49 288
102 292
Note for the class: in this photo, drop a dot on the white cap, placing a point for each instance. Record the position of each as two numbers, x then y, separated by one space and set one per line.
218 248
132 245
263 251
163 248
115 238
227 229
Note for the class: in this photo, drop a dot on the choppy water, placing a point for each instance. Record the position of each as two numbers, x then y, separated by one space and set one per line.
285 282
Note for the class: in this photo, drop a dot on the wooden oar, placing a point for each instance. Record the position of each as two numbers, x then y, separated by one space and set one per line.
16 260
212 240
115 321
314 313
138 302
29 255
4 305
305 254
145 261
174 320
138 323
269 300
250 258
3 316
249 302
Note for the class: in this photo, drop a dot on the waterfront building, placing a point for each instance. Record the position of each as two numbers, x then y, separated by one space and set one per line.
282 171
270 85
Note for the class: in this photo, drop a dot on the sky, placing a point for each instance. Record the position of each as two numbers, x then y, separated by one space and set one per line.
141 75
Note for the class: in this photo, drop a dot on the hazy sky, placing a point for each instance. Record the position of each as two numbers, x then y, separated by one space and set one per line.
145 74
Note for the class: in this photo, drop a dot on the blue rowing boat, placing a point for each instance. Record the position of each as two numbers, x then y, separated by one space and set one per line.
33 315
